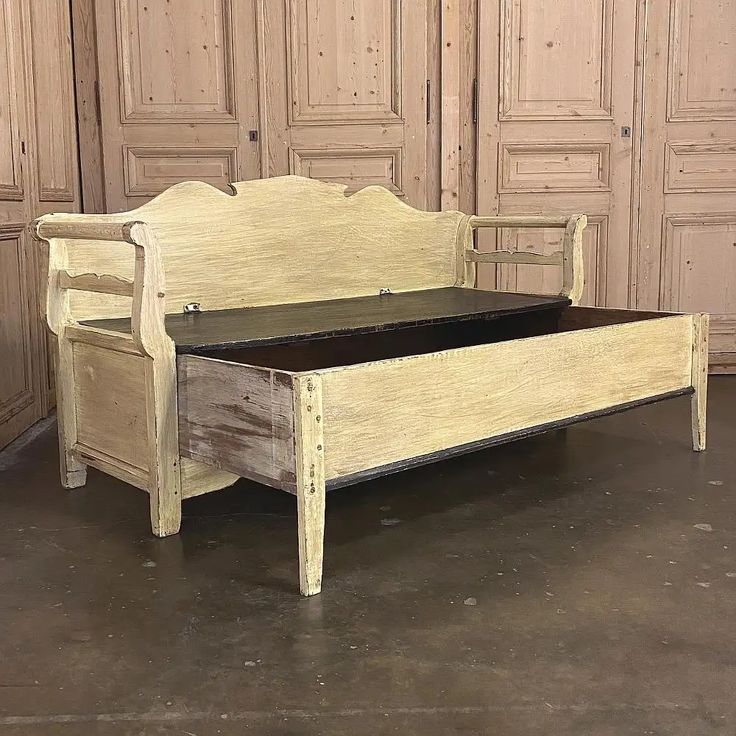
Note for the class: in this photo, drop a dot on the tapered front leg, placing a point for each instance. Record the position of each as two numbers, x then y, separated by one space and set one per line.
699 379
73 470
310 481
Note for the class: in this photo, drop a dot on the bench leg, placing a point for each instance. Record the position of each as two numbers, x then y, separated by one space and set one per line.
73 470
699 380
165 501
311 520
163 445
310 481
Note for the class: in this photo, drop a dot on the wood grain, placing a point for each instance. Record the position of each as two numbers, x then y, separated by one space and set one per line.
700 380
379 413
310 480
235 255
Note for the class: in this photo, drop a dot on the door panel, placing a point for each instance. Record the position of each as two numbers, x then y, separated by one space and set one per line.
687 223
20 397
555 88
186 76
20 377
345 93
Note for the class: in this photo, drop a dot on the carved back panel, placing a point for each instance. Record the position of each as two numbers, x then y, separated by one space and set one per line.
279 240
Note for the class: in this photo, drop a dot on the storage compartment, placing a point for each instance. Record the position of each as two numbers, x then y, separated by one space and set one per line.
399 397
344 350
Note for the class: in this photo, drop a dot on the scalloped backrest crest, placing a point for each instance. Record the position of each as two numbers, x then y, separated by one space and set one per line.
285 239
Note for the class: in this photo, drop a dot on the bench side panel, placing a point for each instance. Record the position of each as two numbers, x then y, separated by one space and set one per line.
381 413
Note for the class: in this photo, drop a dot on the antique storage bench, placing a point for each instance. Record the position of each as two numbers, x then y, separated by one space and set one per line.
304 339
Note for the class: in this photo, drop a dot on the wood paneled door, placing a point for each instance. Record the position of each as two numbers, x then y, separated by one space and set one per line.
555 114
225 90
177 95
345 87
687 223
38 173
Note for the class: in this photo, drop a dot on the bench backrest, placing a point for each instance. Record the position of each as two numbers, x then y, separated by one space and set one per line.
285 239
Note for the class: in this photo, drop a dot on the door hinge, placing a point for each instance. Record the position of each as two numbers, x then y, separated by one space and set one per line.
429 101
475 100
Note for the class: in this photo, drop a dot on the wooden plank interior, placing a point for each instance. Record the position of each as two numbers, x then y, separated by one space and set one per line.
233 328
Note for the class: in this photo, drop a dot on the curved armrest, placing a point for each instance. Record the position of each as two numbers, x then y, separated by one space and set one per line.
146 288
570 257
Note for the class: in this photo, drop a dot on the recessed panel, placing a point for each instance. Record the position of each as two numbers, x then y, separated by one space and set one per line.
343 61
176 60
356 168
702 80
548 279
556 59
111 393
52 83
151 170
16 384
701 167
699 264
564 167
10 172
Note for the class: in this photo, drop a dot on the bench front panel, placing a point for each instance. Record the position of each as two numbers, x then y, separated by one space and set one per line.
380 413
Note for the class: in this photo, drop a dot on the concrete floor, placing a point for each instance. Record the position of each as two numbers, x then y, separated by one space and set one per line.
574 583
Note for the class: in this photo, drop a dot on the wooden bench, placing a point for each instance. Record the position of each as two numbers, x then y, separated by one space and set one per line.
337 338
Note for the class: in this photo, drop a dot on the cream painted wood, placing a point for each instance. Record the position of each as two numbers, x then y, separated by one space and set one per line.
699 379
381 413
121 418
120 399
343 93
310 480
555 88
390 245
178 95
685 259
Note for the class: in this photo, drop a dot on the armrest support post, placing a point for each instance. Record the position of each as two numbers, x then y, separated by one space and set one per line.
570 257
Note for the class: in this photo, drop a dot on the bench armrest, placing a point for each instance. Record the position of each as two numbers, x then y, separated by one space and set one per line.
146 288
570 257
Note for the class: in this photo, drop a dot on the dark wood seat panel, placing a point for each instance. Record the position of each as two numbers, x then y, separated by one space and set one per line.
269 325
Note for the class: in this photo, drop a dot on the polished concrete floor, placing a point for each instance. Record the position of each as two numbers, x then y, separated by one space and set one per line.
575 583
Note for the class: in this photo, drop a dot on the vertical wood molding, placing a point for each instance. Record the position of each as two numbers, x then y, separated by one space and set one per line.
86 79
637 161
450 136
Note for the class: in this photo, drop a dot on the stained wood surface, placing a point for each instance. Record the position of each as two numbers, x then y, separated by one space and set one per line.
380 413
568 67
237 418
235 328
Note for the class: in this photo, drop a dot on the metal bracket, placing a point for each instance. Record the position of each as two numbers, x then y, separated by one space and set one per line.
192 307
